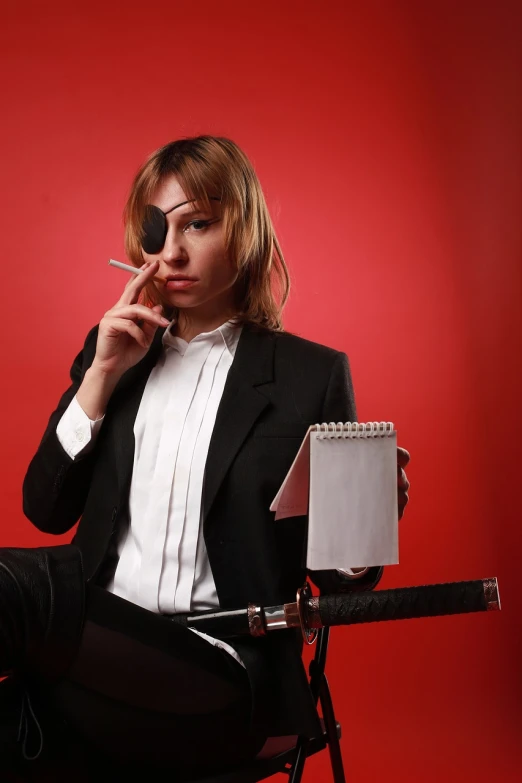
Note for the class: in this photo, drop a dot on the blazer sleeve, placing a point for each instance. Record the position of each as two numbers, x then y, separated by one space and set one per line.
339 405
55 487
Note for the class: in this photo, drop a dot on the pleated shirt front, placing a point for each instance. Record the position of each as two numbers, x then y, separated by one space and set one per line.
163 564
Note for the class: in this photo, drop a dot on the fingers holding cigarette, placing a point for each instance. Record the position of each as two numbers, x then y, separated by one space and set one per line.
147 319
141 277
127 330
114 326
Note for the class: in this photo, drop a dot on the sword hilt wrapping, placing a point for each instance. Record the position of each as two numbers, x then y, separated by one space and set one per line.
404 603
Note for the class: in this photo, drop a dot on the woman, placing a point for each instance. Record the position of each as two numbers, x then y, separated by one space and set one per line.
187 405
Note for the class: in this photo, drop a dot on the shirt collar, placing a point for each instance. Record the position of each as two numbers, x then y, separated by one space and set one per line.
229 332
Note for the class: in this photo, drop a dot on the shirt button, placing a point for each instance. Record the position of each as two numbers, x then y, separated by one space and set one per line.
79 435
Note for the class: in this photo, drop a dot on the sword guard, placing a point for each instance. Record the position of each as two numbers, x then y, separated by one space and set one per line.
303 596
256 621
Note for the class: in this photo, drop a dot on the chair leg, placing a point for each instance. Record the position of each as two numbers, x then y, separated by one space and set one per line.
330 725
296 772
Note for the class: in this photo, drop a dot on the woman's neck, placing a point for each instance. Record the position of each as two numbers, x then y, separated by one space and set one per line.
189 324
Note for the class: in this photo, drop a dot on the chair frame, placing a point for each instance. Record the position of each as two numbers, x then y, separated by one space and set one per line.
292 760
332 730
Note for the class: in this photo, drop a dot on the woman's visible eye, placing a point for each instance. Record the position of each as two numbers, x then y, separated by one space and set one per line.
199 225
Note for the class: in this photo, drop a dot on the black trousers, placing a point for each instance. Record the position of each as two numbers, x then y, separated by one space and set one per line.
143 695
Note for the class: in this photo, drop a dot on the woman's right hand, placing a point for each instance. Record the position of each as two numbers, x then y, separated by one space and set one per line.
126 331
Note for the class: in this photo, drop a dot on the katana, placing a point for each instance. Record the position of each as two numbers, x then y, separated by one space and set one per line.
310 613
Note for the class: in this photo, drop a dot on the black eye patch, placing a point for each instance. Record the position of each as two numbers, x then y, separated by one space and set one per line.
154 228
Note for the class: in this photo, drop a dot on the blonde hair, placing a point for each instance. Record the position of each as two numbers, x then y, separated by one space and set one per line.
213 166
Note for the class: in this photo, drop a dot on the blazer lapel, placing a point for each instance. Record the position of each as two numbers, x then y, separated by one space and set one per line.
241 404
126 399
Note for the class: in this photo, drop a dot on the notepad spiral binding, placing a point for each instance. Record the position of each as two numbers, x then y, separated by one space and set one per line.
354 429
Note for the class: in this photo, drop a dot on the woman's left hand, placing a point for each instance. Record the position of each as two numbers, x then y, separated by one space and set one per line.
403 485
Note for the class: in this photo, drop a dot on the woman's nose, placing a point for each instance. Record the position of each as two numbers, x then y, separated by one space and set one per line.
174 248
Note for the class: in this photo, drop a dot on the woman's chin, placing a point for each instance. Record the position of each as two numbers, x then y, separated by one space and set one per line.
181 300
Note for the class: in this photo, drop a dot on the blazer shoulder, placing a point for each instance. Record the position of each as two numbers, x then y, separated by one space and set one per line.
292 345
317 375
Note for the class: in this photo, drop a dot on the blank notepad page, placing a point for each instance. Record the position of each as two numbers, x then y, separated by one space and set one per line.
353 518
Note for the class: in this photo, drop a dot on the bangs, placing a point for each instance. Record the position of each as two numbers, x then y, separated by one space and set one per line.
198 178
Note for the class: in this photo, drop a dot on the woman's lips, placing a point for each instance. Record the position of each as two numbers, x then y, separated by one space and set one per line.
179 284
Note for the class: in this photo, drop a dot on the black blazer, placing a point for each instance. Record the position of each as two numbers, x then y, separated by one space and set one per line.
277 386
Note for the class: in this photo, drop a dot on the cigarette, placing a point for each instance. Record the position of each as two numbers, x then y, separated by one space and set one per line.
134 270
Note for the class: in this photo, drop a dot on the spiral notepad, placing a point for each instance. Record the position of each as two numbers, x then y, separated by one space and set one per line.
345 477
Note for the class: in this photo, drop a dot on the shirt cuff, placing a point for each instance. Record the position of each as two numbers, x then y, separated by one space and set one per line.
75 431
353 573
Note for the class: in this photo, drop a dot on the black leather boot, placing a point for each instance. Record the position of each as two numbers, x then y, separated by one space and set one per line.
42 600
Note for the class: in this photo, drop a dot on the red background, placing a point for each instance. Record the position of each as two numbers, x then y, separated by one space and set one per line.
387 137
